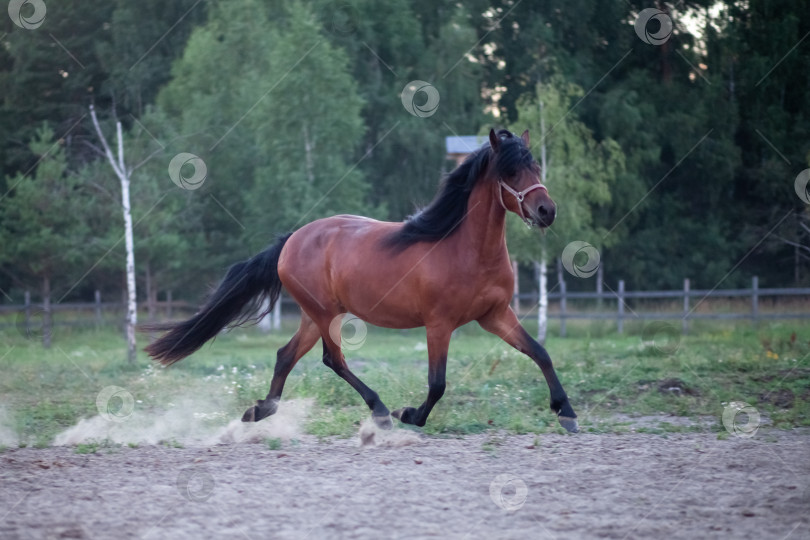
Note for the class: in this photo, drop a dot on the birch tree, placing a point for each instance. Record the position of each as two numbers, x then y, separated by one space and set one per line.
542 281
579 172
123 174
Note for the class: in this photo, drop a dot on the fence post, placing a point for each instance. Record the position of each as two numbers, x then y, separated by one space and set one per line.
563 306
169 304
516 291
98 308
685 320
754 299
600 276
27 313
620 323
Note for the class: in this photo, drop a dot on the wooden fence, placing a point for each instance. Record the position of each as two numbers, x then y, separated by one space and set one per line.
619 306
691 300
28 316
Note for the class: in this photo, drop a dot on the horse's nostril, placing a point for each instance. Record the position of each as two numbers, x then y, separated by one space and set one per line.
546 214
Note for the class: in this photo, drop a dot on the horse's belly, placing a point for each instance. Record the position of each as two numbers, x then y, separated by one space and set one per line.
382 301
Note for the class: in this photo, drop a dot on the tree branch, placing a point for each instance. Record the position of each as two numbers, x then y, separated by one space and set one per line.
107 151
93 147
102 189
794 244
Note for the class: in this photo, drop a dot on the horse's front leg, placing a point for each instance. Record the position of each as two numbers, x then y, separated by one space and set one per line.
438 341
505 324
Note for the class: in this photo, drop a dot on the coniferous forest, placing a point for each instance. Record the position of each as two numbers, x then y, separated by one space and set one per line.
672 141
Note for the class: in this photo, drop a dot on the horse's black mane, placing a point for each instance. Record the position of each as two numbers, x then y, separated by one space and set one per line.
442 216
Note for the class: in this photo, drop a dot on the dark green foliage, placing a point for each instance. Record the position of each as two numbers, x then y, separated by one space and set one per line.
674 160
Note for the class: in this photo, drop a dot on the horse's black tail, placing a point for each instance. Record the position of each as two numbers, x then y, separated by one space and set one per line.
236 301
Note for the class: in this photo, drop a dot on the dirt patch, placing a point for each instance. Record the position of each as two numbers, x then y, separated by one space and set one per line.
784 374
657 421
673 386
782 399
682 485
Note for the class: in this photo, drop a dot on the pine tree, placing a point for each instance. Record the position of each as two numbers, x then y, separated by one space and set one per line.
42 232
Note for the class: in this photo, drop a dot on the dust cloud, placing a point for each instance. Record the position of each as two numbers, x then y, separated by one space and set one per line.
182 425
370 435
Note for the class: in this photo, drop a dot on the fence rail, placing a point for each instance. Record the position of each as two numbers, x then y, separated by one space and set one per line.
623 310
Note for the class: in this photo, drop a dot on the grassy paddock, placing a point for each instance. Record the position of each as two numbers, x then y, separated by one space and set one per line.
490 386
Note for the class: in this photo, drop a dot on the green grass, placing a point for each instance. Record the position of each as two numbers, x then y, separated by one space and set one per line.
273 443
490 386
94 446
87 448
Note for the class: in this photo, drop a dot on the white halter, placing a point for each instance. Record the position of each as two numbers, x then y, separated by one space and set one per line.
519 195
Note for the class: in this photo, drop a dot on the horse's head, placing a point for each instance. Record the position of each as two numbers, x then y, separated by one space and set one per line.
518 176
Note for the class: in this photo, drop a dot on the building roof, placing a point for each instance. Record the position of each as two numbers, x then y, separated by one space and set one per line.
464 145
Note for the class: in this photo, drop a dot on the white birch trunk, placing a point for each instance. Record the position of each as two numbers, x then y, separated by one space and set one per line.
542 310
272 320
129 241
277 314
265 323
542 266
309 161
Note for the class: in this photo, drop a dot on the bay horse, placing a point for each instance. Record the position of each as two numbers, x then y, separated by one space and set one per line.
442 268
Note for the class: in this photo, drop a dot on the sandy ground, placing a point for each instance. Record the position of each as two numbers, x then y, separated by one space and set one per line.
408 486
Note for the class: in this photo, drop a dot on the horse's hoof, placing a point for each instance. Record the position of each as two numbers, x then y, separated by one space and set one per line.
383 422
405 415
250 414
569 423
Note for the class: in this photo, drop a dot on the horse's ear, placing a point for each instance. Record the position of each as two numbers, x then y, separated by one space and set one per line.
525 137
494 142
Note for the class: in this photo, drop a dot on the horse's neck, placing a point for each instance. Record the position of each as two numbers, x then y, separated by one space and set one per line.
483 229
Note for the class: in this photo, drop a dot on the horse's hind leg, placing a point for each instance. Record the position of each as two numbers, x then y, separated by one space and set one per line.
333 358
438 341
303 340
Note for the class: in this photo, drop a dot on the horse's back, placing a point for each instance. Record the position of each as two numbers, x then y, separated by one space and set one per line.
346 263
315 240
342 263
